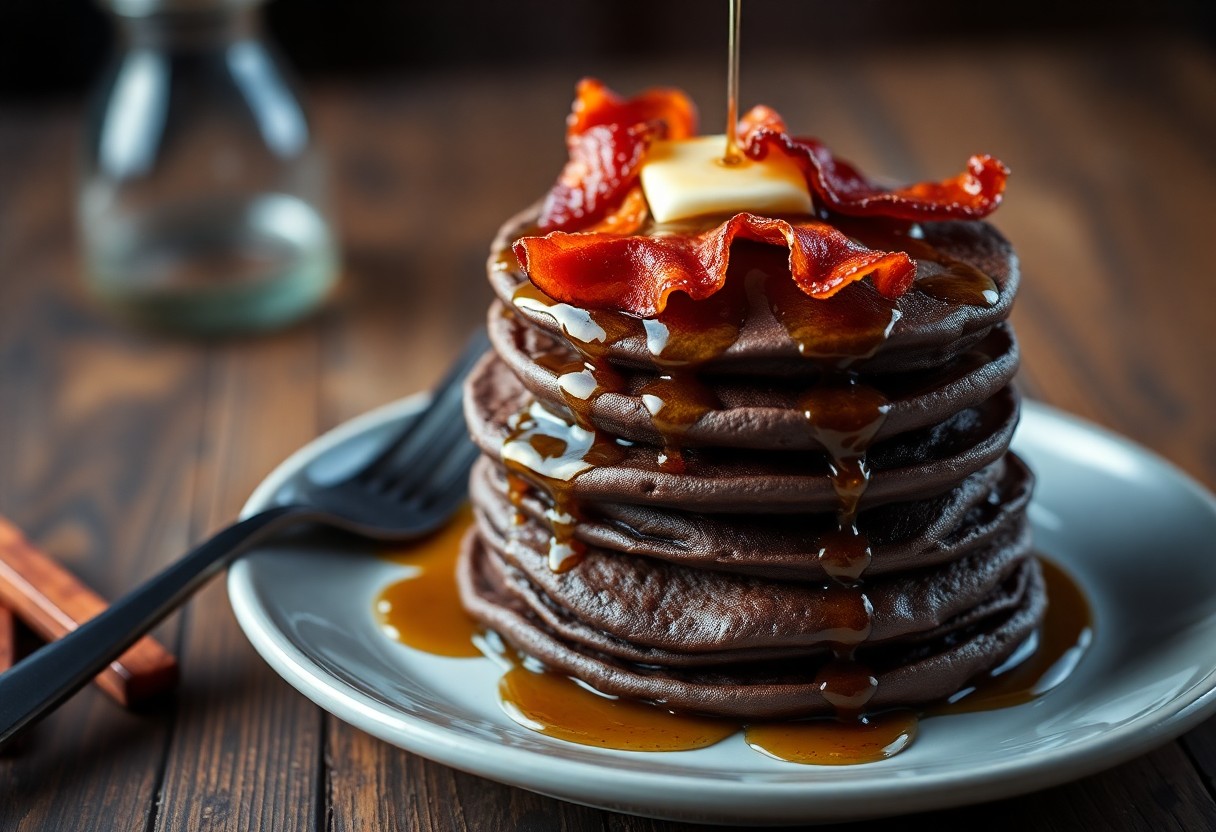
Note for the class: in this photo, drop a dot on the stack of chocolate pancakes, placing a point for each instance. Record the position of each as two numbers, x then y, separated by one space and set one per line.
760 505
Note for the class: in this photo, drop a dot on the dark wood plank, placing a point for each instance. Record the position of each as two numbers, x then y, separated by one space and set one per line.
99 430
374 786
246 749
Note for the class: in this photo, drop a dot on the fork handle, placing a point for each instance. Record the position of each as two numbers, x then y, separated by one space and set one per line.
46 678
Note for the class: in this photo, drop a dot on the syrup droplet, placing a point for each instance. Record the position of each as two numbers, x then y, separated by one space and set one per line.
845 554
846 685
546 452
960 284
845 416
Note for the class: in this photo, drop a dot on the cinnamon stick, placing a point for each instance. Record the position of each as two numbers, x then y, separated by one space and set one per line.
8 638
53 602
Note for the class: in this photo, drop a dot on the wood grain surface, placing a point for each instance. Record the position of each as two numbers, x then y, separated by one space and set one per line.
118 448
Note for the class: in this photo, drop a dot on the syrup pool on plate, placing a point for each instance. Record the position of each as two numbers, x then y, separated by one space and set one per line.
423 610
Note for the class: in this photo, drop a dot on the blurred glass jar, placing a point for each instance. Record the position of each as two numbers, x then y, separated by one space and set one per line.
202 199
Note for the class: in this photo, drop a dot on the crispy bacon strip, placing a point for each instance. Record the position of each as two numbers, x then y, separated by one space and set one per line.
595 104
604 165
607 138
637 274
838 185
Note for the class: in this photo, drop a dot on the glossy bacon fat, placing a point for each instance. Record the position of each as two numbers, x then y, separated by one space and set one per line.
593 257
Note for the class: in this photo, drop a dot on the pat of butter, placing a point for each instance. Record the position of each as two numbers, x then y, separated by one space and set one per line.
687 179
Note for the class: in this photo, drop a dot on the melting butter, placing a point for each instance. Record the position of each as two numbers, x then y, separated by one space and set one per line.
688 178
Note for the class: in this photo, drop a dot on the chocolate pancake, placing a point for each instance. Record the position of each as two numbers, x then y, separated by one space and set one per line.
911 674
655 612
742 413
912 466
902 536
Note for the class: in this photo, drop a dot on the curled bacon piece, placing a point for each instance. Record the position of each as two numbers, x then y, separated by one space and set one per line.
604 164
607 138
595 104
637 274
838 185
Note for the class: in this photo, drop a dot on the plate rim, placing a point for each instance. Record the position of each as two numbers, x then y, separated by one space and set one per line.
681 795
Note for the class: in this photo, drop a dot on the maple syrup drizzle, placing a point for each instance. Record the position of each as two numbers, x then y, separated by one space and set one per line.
844 416
423 611
675 403
578 384
683 337
545 451
957 282
591 333
847 327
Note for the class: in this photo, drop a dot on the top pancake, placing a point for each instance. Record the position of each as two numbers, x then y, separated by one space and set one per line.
928 332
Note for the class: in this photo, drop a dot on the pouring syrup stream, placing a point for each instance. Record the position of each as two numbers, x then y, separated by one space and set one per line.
733 155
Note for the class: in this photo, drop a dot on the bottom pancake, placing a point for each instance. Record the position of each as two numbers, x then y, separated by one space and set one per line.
908 674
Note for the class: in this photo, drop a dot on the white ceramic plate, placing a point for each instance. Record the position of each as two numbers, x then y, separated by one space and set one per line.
1139 536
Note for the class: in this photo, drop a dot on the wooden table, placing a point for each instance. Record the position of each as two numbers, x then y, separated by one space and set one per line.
118 449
